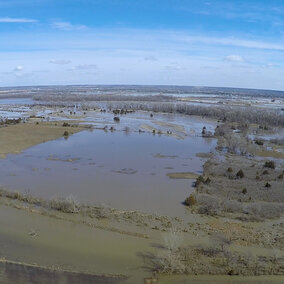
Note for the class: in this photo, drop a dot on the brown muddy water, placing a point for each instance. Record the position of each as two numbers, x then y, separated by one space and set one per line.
67 246
22 274
118 169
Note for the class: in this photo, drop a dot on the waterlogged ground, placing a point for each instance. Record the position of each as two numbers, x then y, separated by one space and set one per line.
120 169
122 165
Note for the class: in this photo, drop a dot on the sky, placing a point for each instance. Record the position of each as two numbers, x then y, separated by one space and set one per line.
218 43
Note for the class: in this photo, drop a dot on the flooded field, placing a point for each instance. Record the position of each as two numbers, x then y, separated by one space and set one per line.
117 180
104 167
16 101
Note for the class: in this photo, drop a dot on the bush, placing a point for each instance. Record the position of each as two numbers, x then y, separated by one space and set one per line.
208 205
126 129
240 174
258 142
220 241
207 181
263 210
66 205
269 164
66 134
265 172
229 170
116 119
171 260
231 206
278 141
244 191
190 201
65 124
199 180
267 185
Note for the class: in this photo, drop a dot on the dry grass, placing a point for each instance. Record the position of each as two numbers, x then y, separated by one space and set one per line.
15 138
182 175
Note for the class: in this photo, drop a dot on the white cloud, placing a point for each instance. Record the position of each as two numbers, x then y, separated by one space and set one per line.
227 41
17 20
59 61
119 56
173 66
18 68
84 67
67 26
234 58
150 58
270 65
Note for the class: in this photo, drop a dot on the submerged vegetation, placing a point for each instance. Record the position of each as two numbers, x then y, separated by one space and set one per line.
223 113
231 227
240 185
7 121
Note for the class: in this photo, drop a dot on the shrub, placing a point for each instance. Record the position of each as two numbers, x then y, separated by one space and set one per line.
126 129
220 241
116 119
190 201
116 111
240 174
244 191
172 240
66 205
258 142
262 210
231 206
281 176
207 181
265 172
278 141
65 124
171 260
199 180
229 170
269 164
267 185
66 134
208 204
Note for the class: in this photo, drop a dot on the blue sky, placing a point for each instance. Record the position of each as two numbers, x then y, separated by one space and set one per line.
212 43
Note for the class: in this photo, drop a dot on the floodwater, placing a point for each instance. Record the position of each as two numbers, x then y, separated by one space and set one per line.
89 250
17 101
119 169
14 108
